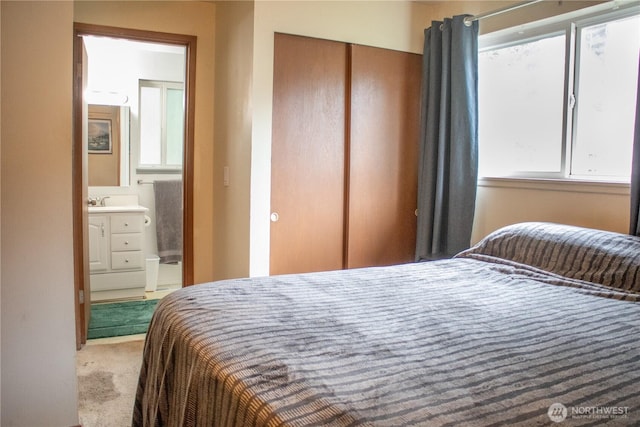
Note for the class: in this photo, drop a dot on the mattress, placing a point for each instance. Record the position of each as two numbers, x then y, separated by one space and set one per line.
537 323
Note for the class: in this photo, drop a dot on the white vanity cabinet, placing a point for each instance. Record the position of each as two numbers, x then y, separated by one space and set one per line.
116 256
126 242
98 243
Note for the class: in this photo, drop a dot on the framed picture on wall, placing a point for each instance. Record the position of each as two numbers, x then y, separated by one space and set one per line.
99 136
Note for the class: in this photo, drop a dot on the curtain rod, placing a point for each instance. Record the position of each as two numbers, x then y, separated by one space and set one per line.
468 20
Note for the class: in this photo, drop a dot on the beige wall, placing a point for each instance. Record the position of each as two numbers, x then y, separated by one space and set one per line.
504 202
234 56
191 18
38 327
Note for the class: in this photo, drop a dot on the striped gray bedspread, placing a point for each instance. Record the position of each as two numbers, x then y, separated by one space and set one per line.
479 340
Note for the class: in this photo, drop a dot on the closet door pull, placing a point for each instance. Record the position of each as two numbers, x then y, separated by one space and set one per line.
275 217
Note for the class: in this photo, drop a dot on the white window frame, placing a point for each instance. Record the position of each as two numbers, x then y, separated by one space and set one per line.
568 24
163 166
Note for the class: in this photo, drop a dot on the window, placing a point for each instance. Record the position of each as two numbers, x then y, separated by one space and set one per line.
161 125
558 100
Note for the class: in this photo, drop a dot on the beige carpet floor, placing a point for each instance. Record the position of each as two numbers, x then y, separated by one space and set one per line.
107 381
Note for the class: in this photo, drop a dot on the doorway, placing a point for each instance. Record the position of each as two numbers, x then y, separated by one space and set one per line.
135 170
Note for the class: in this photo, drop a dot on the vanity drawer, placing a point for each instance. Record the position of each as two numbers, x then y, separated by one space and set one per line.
126 242
127 223
126 260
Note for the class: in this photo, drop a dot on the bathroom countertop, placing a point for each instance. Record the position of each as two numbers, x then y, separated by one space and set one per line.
116 209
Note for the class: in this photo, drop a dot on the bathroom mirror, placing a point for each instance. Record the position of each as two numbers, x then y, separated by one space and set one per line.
108 145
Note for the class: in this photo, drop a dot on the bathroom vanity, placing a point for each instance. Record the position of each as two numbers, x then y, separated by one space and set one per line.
116 252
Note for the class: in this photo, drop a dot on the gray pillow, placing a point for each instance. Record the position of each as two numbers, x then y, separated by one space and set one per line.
596 256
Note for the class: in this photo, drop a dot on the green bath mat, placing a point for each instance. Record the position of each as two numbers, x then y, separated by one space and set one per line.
120 318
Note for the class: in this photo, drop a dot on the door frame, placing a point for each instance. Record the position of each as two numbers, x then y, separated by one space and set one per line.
82 298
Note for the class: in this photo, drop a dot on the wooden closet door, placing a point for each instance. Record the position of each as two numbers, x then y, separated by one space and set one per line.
383 174
308 155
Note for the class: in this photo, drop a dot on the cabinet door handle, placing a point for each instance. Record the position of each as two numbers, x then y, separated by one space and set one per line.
126 261
275 217
102 229
126 242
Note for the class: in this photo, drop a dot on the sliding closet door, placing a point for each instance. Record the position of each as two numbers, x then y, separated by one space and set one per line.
385 116
307 165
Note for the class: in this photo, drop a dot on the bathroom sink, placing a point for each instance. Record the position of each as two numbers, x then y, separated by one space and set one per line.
111 209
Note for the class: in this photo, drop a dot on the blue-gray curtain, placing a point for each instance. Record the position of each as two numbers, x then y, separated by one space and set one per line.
634 226
448 167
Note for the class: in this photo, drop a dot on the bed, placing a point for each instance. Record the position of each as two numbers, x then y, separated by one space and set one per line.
538 322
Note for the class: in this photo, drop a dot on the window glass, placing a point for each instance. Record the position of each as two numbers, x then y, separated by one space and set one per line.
161 125
521 89
175 126
563 104
606 98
